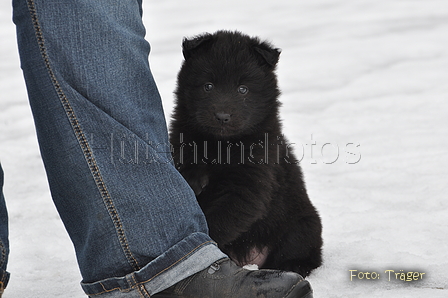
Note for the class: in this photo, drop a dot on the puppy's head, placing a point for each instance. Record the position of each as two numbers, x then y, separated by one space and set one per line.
227 84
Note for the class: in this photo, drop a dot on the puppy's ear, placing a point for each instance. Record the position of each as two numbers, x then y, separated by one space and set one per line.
269 54
190 45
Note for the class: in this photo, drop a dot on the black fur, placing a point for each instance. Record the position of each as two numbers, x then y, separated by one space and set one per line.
229 146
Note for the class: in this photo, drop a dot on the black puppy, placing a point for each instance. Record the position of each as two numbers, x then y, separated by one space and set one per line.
229 146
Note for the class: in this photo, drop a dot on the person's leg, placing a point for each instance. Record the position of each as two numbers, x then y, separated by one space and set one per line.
103 140
135 223
4 243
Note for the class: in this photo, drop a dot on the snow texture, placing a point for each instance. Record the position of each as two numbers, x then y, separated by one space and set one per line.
252 267
365 102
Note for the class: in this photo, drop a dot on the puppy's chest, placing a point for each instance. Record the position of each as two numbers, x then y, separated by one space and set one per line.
212 167
216 153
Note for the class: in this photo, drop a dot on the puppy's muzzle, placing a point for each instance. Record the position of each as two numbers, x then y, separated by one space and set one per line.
223 118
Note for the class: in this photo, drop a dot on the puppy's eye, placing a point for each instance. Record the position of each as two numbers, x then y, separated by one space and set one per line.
208 87
243 89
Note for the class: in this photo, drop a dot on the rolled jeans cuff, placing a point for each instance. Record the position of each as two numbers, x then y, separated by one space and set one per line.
184 259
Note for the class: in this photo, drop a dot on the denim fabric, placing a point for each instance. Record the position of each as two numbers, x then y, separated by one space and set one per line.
102 134
4 243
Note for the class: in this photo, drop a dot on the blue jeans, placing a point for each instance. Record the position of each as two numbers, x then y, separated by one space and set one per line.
135 223
4 245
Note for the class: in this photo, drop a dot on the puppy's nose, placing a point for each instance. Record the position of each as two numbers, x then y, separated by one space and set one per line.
222 117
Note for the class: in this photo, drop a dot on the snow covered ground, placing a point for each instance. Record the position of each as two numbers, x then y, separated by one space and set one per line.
365 99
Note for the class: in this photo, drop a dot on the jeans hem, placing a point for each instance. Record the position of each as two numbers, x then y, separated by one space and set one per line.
184 259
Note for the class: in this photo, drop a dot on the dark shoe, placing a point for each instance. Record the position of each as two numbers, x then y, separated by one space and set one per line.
225 279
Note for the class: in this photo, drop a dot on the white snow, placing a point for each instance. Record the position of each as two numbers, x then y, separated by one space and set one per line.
252 267
369 77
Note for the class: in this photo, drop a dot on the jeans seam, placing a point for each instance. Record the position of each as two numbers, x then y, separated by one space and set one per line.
137 284
143 292
4 252
82 140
